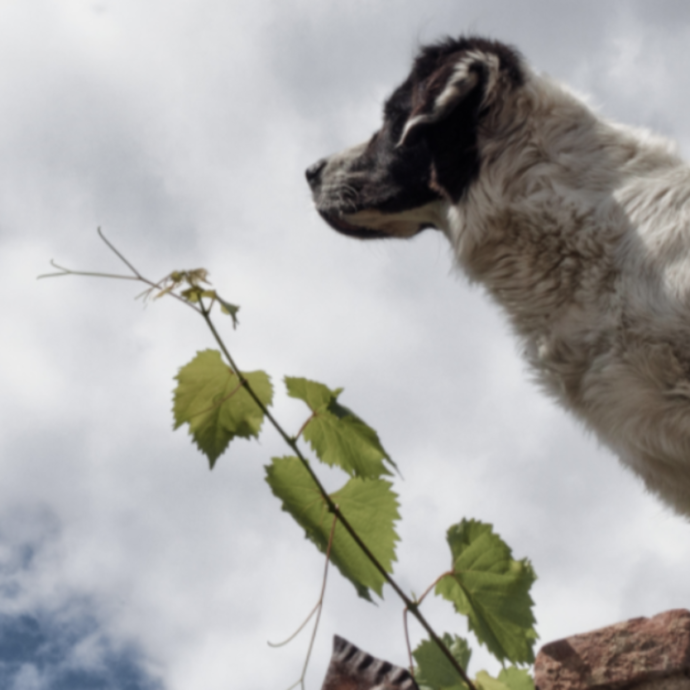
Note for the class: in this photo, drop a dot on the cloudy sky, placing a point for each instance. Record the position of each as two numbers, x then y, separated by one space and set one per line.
183 129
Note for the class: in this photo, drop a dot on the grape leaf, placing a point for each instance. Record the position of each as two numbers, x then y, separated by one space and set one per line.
209 398
516 678
370 506
511 678
229 309
337 435
434 671
484 681
492 590
311 392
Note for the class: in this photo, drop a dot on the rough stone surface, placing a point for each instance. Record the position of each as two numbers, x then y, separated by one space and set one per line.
644 653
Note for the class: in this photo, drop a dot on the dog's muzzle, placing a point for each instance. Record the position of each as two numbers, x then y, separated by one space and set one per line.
333 216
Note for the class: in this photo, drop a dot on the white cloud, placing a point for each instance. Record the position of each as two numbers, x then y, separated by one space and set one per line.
184 129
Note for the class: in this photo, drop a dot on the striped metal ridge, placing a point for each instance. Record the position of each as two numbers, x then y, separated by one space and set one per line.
353 669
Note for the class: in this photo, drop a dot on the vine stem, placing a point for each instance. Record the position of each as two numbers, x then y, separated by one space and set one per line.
412 606
432 585
323 593
316 610
62 271
419 603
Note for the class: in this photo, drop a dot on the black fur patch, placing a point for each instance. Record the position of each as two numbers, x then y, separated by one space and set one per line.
441 159
453 140
433 56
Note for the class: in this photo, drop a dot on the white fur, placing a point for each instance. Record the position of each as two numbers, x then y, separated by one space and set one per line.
580 229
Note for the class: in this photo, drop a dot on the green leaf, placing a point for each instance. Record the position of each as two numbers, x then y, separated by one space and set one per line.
209 398
434 671
192 294
229 309
370 506
484 681
196 276
492 589
315 394
511 678
337 435
516 678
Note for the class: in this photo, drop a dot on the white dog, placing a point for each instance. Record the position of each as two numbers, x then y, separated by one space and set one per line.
578 227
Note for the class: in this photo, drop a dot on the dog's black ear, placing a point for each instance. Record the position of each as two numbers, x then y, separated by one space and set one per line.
454 88
465 79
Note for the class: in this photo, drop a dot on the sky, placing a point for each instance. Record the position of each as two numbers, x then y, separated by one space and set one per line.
183 130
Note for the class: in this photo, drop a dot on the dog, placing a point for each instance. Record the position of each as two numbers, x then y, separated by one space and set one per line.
578 227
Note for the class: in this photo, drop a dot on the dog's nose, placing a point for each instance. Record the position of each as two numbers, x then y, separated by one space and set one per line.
313 173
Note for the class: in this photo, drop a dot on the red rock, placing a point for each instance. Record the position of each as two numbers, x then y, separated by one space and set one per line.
650 652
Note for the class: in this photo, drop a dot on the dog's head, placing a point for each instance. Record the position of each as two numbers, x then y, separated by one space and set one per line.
425 155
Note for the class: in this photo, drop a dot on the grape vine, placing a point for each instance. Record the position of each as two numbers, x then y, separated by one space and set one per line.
354 526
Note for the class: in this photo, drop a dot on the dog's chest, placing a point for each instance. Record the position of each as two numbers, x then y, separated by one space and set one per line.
540 263
555 276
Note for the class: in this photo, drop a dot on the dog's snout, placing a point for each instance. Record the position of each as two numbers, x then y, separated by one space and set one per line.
313 173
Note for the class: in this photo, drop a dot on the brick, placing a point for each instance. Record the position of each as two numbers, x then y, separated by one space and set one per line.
644 653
